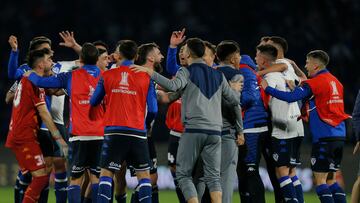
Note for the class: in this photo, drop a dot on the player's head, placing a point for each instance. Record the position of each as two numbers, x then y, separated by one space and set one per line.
315 61
228 52
101 45
89 54
40 60
126 50
209 55
150 54
103 59
279 43
40 42
265 55
194 49
264 40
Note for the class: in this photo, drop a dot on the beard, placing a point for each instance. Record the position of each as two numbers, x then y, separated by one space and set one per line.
158 67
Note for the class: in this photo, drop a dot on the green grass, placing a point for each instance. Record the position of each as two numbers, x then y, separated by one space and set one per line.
166 196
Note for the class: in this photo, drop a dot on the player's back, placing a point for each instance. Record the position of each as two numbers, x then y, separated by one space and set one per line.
126 93
24 120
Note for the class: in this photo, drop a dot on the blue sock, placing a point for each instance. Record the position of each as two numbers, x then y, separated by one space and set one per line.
298 189
324 194
104 191
338 193
22 182
61 183
94 191
121 198
288 189
145 190
74 194
44 195
155 194
135 195
87 200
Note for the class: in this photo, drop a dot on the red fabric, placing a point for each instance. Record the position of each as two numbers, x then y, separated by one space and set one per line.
29 156
173 117
33 192
329 98
24 118
83 86
126 97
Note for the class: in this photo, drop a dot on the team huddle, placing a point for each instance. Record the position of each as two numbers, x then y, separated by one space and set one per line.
225 111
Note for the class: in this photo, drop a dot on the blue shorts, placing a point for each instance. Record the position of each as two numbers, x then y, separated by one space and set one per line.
286 152
326 156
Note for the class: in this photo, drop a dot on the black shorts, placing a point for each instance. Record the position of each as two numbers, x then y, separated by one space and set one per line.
296 161
282 151
119 148
326 156
172 149
153 159
46 143
85 155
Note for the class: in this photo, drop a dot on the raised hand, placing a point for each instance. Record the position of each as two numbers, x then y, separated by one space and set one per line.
13 42
69 41
177 37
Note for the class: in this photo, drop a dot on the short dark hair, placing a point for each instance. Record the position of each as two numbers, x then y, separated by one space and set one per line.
210 46
280 41
268 50
225 48
143 52
101 43
196 47
265 38
37 41
89 54
320 55
127 49
34 56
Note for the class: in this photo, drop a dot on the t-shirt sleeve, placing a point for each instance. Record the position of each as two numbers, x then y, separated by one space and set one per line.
38 96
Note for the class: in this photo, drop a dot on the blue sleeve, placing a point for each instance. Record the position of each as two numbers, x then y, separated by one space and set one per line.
171 64
57 81
297 94
250 94
151 102
99 93
13 65
356 117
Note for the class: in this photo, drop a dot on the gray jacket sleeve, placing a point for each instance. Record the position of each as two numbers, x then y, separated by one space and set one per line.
230 95
238 116
356 117
178 83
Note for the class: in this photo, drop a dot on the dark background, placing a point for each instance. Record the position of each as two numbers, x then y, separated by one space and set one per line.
329 25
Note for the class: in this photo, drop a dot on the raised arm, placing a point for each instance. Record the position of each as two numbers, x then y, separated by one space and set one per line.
171 64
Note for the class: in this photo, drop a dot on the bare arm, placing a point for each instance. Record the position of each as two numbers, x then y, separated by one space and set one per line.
168 97
297 70
46 118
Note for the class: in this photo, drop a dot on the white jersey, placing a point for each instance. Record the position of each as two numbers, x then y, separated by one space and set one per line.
57 102
284 115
